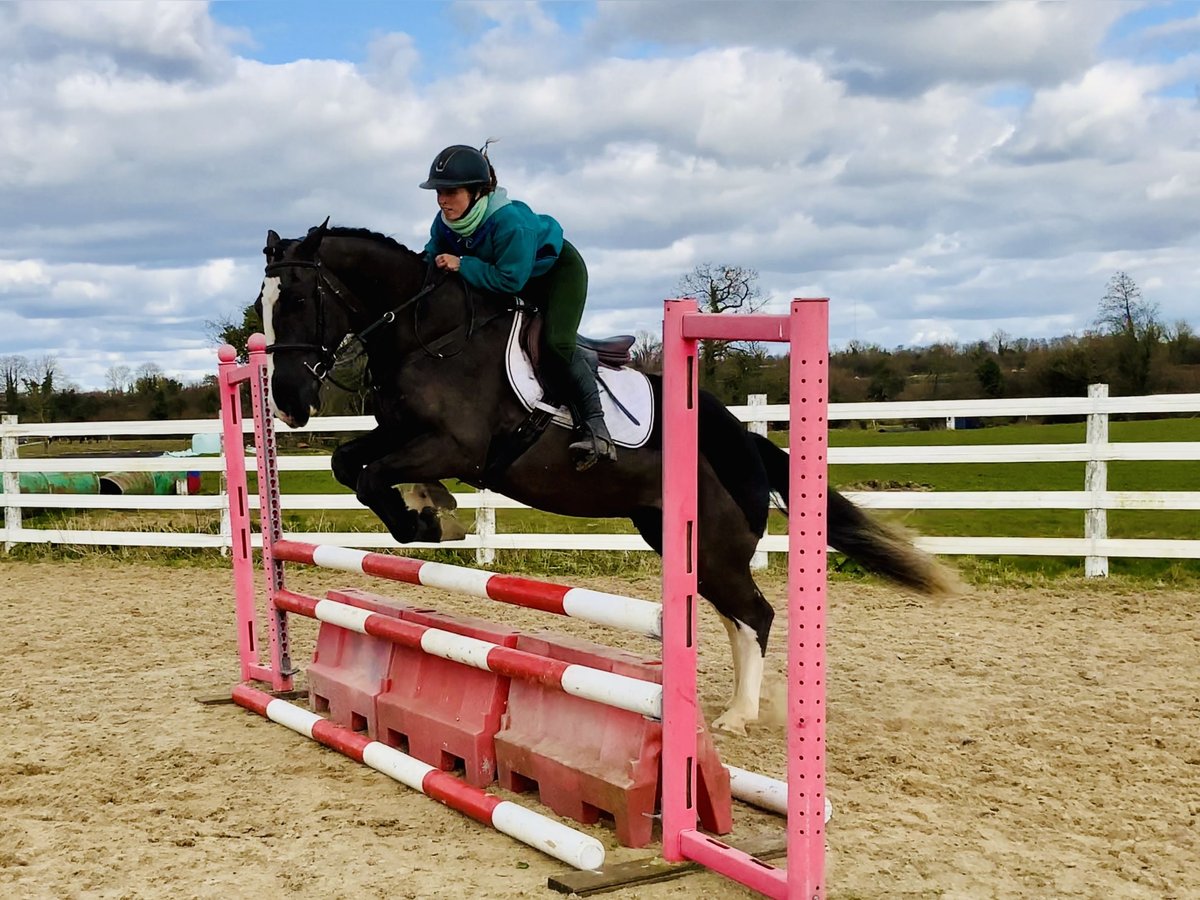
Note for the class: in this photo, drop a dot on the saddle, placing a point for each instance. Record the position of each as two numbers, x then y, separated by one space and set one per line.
610 352
622 389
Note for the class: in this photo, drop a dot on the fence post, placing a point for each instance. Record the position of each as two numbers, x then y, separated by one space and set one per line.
12 483
485 528
1095 482
757 426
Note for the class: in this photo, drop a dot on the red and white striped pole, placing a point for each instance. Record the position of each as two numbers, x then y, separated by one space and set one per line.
628 613
542 833
609 688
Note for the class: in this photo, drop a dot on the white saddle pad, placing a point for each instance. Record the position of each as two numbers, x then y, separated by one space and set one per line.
631 387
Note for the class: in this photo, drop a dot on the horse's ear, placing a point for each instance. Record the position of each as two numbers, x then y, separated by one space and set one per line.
312 241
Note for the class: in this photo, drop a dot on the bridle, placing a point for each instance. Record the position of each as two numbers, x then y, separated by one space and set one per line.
330 284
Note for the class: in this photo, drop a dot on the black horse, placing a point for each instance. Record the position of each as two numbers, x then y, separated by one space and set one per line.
435 354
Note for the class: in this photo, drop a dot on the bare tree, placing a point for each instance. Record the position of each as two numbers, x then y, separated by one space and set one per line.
719 289
227 330
647 352
1133 321
1124 311
14 369
38 379
722 288
44 370
1183 347
1003 341
118 379
147 376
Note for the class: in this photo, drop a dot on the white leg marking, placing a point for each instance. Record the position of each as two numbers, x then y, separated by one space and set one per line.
748 673
731 631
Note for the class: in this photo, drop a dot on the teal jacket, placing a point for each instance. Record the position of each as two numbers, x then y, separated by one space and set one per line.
511 245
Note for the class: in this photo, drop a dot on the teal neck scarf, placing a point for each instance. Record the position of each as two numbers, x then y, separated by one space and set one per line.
466 226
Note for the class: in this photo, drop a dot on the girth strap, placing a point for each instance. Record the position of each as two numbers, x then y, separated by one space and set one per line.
506 449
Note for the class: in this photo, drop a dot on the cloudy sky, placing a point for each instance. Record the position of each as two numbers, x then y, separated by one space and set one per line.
941 171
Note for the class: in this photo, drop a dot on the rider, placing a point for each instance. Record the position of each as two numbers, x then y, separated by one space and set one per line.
503 246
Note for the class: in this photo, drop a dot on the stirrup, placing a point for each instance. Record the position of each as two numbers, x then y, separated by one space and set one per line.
590 449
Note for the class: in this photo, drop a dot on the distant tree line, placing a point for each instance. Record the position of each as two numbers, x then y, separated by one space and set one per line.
1128 348
36 391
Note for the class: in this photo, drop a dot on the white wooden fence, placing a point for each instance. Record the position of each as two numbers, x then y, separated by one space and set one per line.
1094 499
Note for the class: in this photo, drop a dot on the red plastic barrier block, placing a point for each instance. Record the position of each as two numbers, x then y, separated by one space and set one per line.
443 712
348 668
587 759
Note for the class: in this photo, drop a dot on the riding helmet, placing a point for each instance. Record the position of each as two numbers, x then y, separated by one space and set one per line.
458 166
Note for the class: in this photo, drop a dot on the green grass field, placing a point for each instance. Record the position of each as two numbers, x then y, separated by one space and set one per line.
1130 476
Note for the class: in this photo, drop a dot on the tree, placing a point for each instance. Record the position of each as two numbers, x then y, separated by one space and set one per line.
718 289
1068 368
147 378
44 370
118 379
1183 347
38 378
647 352
937 362
1003 341
13 368
990 378
1122 308
227 331
1133 322
886 383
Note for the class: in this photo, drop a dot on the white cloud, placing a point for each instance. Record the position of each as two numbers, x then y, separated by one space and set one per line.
22 273
846 150
894 48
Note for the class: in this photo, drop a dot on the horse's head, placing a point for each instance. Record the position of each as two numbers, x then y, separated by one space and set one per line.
303 330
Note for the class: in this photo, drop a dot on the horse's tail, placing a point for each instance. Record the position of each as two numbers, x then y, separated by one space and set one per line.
877 546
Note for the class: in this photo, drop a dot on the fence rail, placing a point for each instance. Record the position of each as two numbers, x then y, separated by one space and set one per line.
1095 500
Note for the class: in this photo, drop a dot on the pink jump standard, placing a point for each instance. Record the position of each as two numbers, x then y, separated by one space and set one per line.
675 621
807 329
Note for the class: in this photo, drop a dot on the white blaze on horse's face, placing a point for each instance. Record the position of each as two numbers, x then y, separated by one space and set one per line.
270 294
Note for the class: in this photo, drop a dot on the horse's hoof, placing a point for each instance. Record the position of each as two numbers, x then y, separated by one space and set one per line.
730 722
452 529
429 526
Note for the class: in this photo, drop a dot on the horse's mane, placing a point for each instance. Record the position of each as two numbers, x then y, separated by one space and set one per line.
367 234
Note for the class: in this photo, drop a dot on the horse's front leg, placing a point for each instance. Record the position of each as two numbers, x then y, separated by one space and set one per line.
352 456
424 458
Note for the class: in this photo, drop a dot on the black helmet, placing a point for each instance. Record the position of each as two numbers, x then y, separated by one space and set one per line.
458 166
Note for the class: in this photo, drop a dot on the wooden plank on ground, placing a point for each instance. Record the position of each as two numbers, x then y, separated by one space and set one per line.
218 699
650 871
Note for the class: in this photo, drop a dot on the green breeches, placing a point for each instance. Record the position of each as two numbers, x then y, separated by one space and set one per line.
560 295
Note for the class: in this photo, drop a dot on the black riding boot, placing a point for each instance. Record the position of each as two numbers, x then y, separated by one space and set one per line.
593 442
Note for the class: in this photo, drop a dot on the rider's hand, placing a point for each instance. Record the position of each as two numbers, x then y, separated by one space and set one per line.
447 261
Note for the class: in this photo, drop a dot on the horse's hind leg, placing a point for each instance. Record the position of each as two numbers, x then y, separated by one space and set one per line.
748 630
726 546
